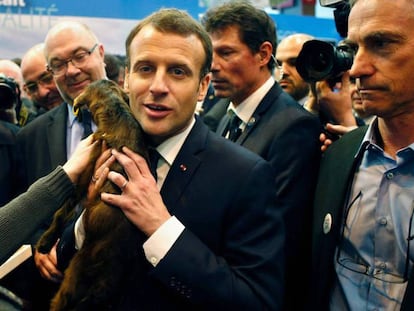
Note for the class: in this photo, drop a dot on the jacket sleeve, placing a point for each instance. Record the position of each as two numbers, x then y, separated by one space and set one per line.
22 216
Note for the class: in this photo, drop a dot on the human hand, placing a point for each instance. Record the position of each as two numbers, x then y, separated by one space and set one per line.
79 160
100 174
140 200
334 99
333 129
325 141
47 265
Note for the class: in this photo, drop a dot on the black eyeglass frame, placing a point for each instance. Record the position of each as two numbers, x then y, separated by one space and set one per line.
45 78
64 63
365 269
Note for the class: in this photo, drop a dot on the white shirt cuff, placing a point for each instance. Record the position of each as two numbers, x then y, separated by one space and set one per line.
79 232
160 242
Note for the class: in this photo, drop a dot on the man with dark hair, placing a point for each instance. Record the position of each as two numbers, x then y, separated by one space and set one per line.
269 123
363 220
212 237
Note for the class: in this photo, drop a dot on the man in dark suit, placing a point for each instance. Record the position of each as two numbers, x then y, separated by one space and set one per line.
8 160
212 236
52 137
362 257
38 81
273 125
75 58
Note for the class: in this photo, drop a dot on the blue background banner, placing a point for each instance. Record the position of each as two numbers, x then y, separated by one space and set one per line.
24 23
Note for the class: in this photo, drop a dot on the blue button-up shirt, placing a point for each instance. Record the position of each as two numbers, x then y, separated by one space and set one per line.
74 132
380 207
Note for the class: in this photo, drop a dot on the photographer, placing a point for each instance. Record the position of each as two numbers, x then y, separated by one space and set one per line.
325 67
24 109
8 99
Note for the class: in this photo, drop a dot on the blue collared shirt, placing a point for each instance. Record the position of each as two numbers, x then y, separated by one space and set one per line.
379 211
74 132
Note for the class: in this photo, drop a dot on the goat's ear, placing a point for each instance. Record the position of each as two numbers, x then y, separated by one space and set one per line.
76 108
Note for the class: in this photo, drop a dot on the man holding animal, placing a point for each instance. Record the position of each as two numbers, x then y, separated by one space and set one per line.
212 237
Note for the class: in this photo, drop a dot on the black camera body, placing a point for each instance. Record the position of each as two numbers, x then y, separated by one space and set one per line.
8 92
320 60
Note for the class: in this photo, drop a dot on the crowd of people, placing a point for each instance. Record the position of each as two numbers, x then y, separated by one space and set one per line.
269 192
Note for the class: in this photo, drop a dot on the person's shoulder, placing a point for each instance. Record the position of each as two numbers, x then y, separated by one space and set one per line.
282 104
226 150
42 120
352 137
285 114
7 132
348 144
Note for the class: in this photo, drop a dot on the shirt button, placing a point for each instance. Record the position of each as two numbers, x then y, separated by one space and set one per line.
390 175
383 221
153 260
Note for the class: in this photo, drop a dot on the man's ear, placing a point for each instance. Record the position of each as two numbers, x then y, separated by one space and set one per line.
204 83
265 52
126 79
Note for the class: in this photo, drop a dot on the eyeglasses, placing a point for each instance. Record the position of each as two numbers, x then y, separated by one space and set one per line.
45 79
279 67
59 67
356 265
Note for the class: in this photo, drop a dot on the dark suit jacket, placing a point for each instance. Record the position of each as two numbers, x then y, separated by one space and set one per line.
42 144
287 136
8 161
230 255
42 147
336 174
212 117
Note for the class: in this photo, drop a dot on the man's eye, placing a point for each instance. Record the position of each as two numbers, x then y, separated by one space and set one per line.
57 66
292 62
80 56
144 69
178 71
32 87
46 78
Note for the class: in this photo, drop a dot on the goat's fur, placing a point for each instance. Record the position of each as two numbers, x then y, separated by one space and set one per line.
94 276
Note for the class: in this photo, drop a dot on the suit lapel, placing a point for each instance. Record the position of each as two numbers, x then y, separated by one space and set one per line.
266 103
223 124
185 165
56 136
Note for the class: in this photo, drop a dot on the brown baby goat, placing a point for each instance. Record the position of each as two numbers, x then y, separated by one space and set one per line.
94 276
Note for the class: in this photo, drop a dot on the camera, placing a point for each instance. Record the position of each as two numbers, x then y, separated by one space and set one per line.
320 60
8 92
331 3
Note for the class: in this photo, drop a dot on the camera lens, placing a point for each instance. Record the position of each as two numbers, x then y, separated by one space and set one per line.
319 60
8 96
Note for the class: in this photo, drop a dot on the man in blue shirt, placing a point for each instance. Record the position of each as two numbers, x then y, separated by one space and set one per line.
362 249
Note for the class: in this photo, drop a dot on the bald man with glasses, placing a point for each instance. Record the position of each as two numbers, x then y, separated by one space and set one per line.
74 57
38 81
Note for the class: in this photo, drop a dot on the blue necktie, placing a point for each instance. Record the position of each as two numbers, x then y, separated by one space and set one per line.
86 123
233 127
154 156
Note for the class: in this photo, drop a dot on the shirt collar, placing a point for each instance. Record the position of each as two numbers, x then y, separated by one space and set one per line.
170 147
371 139
303 101
247 107
71 115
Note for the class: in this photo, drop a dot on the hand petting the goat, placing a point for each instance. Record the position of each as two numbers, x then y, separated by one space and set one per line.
140 200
